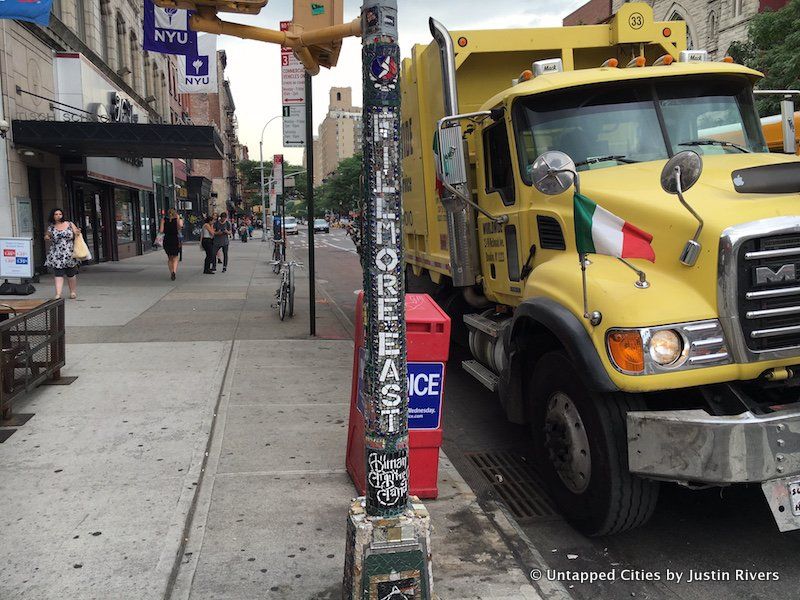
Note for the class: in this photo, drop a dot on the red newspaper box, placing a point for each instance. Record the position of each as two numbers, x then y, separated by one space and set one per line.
428 343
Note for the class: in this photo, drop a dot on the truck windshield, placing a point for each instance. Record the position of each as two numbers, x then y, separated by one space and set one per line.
604 126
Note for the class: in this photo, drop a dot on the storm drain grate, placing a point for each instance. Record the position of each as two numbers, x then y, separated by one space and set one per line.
515 482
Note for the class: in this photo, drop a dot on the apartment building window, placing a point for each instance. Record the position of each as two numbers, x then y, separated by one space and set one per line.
105 42
737 8
120 42
148 81
80 19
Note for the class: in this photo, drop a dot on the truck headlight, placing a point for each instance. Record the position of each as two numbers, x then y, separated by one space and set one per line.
667 348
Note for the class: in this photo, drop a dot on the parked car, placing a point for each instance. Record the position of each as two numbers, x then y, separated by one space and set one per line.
322 225
290 227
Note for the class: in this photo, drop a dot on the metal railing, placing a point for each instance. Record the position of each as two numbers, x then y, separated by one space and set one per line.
32 349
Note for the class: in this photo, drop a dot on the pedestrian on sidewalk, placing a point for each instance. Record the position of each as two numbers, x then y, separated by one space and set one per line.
172 245
61 234
222 238
243 233
207 242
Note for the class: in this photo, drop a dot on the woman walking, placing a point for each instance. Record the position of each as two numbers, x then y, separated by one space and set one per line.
61 234
207 241
172 246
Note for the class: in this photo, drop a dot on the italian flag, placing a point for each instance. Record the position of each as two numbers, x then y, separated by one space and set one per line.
598 231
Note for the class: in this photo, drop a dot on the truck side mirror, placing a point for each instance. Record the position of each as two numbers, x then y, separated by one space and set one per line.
450 154
679 174
553 173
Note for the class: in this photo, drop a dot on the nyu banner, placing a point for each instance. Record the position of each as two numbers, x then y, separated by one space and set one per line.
34 11
166 30
197 73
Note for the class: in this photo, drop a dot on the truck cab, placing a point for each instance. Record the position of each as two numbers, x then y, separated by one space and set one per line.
630 374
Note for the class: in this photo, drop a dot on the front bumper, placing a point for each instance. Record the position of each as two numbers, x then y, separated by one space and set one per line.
691 446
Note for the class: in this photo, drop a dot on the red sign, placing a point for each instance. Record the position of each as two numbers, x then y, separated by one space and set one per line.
7 252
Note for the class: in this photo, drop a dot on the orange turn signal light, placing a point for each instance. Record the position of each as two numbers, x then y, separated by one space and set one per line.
728 59
526 75
462 42
639 61
626 350
613 63
666 32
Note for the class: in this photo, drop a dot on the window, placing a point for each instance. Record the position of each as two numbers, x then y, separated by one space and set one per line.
338 96
56 8
601 127
80 19
105 42
120 43
676 16
124 213
136 63
737 8
499 174
712 30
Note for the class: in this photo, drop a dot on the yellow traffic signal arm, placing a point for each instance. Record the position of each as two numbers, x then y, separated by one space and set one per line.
206 20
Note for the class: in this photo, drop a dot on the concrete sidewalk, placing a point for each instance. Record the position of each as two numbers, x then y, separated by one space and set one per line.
200 452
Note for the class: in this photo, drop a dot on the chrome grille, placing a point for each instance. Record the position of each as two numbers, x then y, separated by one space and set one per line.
769 297
759 289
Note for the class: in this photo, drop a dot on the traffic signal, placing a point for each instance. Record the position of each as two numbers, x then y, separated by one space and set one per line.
247 7
310 16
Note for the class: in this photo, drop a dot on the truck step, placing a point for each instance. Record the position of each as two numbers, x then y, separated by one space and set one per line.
481 373
481 323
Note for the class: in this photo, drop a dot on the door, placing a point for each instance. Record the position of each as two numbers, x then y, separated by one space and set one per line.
37 218
500 243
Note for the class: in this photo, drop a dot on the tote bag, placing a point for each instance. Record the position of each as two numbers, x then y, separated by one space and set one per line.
80 250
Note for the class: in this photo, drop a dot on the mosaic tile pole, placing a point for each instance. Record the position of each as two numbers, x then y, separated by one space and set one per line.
388 533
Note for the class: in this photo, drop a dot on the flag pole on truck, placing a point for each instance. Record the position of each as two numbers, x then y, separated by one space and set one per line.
388 534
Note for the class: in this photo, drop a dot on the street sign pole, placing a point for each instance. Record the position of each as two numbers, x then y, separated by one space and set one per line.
312 290
388 536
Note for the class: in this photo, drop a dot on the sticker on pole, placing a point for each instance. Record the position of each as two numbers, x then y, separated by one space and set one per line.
383 70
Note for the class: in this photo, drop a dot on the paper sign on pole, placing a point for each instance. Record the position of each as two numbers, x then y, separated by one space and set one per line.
16 258
273 199
277 173
198 74
293 92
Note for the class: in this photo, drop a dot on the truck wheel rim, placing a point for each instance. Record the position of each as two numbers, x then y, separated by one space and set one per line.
566 443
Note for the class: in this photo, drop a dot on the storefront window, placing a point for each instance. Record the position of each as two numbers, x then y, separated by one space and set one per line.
123 209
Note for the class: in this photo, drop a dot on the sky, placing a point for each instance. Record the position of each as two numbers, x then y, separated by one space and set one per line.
254 67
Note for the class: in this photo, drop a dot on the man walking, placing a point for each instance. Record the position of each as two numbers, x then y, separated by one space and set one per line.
222 238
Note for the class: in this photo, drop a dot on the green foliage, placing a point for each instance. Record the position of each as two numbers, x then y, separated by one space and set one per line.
342 191
773 47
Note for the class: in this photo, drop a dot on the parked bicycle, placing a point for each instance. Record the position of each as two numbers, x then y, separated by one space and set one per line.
285 293
277 255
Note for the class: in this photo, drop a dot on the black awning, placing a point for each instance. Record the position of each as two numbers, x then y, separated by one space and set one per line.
123 140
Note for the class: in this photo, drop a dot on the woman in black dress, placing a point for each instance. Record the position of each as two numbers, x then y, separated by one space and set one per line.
170 226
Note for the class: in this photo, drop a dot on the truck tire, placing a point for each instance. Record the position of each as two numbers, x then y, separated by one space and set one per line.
580 443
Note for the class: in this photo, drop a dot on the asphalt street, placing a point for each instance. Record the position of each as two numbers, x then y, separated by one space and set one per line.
727 537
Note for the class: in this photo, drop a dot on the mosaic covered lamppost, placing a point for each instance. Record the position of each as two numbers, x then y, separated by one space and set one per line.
388 549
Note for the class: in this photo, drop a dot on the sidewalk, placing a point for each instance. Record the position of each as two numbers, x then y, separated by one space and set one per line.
200 453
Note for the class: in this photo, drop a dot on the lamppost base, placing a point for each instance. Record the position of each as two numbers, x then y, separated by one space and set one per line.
388 558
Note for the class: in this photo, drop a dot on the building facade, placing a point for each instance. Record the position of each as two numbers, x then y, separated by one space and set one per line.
711 25
339 134
77 95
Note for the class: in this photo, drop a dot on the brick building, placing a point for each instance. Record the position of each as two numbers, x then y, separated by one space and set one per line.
591 13
220 190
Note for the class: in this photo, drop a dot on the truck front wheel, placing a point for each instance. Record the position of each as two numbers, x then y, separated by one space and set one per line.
581 447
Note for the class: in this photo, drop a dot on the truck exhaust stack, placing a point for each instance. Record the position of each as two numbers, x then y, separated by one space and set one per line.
461 222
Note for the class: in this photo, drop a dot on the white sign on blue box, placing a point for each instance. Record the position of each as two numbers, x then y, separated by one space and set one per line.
425 390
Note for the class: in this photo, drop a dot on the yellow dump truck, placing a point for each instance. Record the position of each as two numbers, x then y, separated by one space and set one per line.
630 373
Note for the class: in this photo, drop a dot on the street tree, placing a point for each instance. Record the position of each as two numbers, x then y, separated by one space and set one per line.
341 192
773 41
